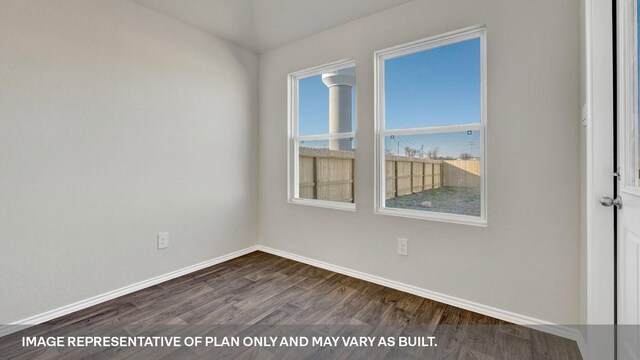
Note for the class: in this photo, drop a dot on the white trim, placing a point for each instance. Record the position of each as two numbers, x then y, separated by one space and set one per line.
322 137
336 205
542 325
599 163
293 190
582 345
432 42
83 304
319 69
442 217
598 117
433 129
474 32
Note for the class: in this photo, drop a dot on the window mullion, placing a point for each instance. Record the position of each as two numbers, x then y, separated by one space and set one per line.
322 137
433 129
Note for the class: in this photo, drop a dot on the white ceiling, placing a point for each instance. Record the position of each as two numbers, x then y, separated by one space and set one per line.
262 25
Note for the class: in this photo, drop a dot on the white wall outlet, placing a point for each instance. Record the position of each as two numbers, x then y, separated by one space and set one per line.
403 247
163 240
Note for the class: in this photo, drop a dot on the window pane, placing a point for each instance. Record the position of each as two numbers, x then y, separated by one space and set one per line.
435 87
326 103
326 174
434 172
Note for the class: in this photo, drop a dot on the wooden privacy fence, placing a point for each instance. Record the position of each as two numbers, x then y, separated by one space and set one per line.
462 173
405 175
328 174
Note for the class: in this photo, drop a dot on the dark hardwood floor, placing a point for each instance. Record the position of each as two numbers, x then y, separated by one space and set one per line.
259 292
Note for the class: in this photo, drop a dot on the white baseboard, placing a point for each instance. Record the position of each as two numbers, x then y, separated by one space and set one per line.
548 327
582 345
83 304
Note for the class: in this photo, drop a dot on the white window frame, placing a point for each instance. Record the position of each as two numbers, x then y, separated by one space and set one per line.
294 138
476 32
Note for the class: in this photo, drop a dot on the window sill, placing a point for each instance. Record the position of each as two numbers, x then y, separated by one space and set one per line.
336 205
440 217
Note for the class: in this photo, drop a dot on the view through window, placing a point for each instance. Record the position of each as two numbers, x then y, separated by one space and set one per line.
323 136
431 121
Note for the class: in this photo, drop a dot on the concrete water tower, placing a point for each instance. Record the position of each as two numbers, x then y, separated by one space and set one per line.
340 84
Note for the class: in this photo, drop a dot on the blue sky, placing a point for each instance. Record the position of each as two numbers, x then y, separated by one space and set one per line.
435 87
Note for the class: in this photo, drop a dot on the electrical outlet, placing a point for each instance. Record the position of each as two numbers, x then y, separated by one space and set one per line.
163 240
403 247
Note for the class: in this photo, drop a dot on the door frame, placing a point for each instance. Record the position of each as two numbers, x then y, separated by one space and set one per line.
600 160
598 242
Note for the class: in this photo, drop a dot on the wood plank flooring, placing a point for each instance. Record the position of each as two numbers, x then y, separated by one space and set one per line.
259 292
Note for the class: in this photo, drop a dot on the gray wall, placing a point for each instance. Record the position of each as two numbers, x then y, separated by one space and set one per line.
527 259
117 123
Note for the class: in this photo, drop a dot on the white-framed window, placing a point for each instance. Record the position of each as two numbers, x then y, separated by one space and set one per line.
431 128
322 136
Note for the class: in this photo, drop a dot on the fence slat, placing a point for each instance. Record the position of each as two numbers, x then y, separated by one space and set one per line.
417 181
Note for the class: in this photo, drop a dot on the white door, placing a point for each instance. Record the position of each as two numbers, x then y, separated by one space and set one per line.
628 185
